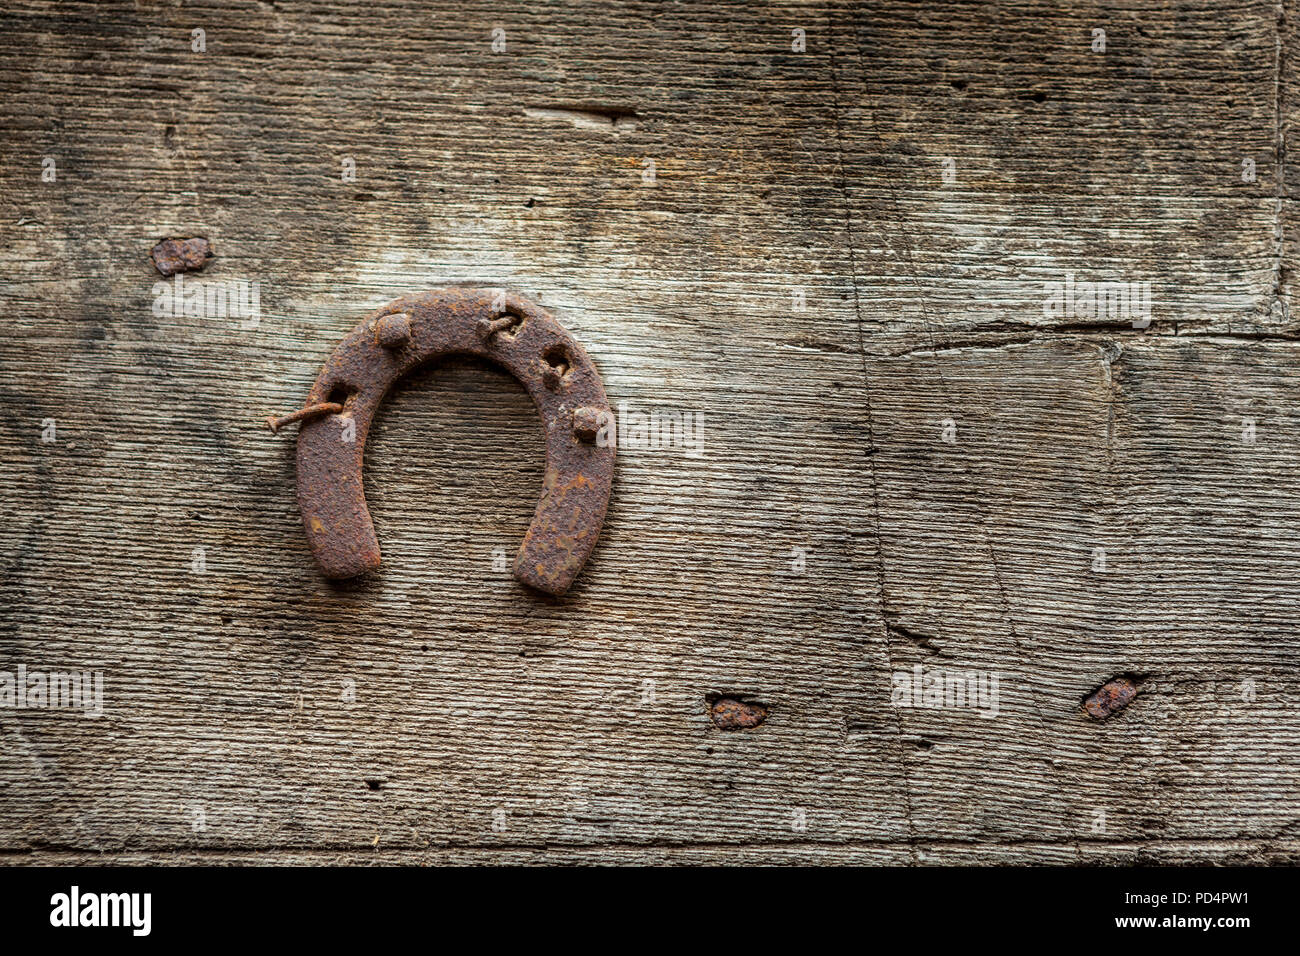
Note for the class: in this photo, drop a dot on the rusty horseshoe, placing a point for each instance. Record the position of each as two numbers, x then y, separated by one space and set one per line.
505 329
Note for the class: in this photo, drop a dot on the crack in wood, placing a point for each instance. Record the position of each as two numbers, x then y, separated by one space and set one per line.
603 118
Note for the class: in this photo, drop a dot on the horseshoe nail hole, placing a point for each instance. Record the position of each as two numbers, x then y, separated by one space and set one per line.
557 361
342 395
516 324
505 325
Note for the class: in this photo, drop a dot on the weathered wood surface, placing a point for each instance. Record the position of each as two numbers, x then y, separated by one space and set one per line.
492 725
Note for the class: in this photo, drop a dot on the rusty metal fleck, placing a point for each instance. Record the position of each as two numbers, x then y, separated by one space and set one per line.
1111 697
731 714
416 329
181 255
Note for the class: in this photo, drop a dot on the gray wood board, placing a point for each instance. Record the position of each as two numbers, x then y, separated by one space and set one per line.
909 456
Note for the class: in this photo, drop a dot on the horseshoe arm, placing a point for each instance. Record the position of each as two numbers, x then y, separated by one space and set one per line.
416 329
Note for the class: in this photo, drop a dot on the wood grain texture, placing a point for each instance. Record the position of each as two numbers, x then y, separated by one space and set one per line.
916 467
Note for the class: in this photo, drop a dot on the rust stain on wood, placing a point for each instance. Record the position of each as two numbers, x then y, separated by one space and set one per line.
1111 697
181 255
731 714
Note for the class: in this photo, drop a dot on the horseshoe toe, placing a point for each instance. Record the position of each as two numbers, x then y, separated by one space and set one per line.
410 331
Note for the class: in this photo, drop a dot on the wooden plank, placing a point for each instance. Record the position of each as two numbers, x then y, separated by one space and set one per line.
1091 519
994 151
824 539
